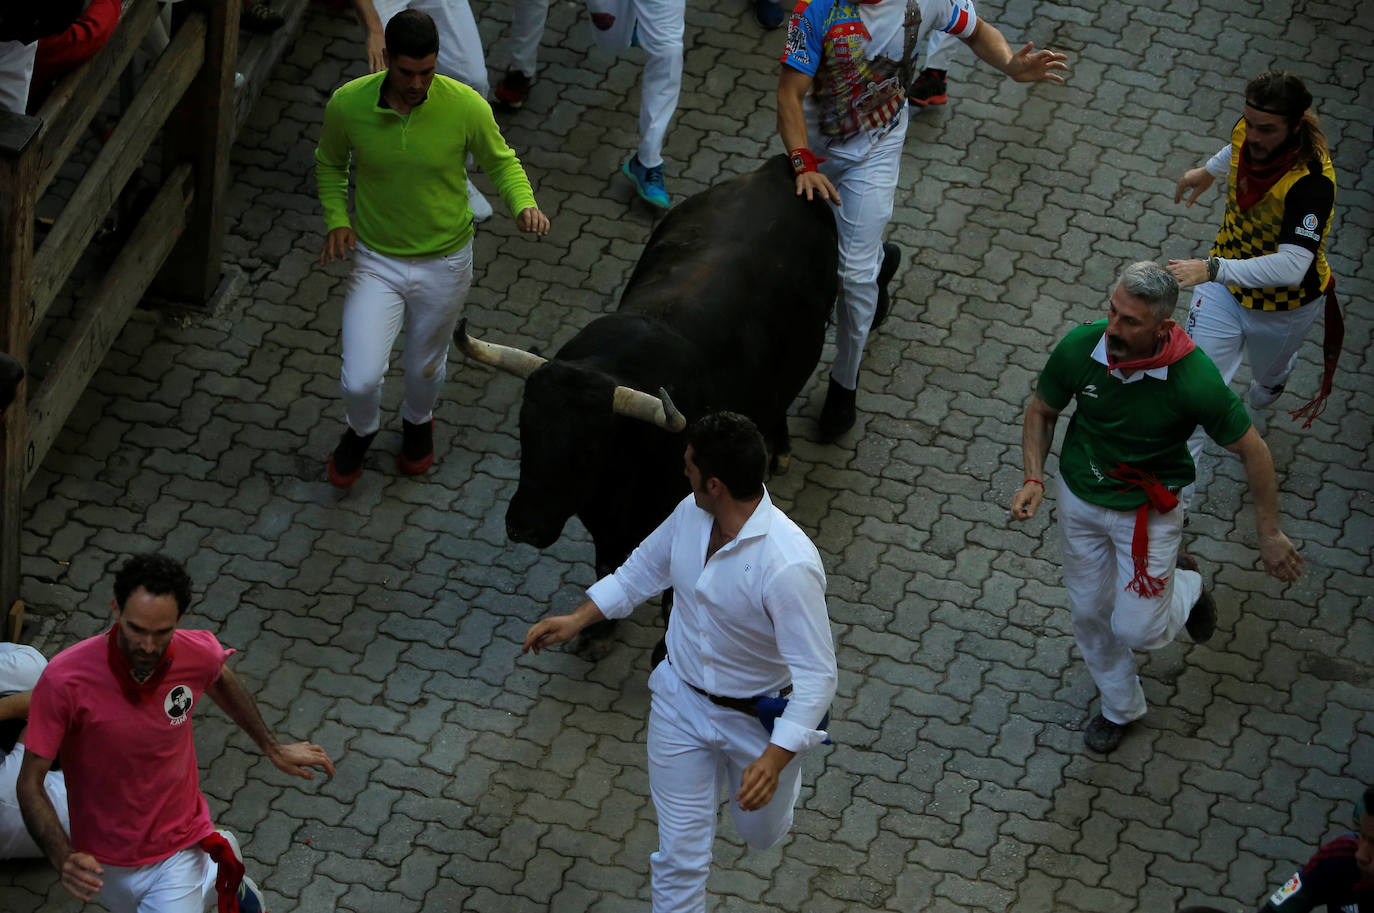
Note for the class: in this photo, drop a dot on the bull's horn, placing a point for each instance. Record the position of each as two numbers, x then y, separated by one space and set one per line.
507 358
658 410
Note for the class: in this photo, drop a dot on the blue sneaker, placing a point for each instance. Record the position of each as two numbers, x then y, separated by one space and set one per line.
249 897
648 182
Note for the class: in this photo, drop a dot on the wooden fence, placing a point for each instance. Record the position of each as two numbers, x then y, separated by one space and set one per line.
187 99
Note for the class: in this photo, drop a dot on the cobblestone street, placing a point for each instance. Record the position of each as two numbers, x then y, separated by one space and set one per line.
385 623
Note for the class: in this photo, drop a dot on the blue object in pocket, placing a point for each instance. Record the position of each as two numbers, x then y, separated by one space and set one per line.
770 708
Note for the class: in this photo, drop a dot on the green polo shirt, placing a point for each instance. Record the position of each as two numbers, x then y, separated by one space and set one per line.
1143 421
411 196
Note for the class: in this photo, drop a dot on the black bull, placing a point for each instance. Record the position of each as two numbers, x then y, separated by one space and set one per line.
726 309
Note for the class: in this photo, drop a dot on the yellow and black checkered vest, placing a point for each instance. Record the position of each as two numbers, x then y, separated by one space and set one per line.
1255 232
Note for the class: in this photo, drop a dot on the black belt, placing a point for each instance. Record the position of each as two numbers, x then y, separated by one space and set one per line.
747 705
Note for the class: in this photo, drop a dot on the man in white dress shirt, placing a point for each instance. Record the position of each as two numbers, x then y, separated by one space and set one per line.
749 621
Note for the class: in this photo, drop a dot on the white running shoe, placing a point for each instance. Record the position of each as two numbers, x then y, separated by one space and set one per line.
481 209
1261 396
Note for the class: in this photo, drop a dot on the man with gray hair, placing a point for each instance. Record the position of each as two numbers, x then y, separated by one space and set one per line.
1142 388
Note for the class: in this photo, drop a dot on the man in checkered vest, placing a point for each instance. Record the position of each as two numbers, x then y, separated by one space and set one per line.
1258 290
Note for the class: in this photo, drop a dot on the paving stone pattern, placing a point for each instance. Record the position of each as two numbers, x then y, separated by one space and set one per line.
384 623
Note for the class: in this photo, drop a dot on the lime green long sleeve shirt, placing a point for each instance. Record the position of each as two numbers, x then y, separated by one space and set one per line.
412 198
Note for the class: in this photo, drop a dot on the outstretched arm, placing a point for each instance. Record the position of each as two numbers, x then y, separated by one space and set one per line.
559 629
295 759
1025 65
1281 559
1037 434
792 88
80 872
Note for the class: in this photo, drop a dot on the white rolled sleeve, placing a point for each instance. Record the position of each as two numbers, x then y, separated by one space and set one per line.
795 599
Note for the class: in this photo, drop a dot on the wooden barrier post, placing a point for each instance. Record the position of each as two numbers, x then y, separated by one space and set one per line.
196 70
201 130
18 197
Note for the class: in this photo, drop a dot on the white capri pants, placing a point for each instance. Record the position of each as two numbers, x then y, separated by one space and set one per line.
866 177
657 26
660 24
695 749
1109 620
1225 331
527 20
182 883
425 295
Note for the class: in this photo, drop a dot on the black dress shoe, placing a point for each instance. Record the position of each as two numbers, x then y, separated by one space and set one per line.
838 413
1102 735
1202 618
892 258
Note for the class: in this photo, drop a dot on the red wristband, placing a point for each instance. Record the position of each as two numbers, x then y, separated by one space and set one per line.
804 160
1036 481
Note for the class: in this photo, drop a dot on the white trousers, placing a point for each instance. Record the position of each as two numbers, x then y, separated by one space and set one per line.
660 25
423 295
1225 331
527 20
182 883
695 749
15 841
866 178
460 44
16 71
1109 620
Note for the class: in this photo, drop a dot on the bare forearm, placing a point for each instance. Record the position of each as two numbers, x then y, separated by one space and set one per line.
991 46
1037 434
15 706
792 88
234 699
1264 487
588 613
40 817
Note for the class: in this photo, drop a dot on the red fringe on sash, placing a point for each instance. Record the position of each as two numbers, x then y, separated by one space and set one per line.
1162 500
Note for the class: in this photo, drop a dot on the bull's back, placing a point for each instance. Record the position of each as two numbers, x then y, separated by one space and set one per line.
746 270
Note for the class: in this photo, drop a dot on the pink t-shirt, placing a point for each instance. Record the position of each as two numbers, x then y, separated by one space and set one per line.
131 768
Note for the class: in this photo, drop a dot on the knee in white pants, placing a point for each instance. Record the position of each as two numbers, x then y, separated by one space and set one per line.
360 384
763 838
1140 629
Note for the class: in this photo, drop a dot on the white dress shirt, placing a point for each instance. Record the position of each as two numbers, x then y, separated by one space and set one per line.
747 622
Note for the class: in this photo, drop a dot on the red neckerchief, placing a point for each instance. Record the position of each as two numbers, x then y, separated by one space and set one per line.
136 692
1162 500
1176 345
229 874
1253 181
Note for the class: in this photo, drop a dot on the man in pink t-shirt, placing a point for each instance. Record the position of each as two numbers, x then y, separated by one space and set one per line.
118 706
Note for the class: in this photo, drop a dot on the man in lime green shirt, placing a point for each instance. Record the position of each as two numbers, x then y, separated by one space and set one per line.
1142 388
407 133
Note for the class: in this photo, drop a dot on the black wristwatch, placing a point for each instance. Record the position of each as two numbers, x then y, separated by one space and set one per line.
1213 264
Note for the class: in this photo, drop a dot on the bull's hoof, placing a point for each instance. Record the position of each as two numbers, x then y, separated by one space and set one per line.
781 463
594 647
839 412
